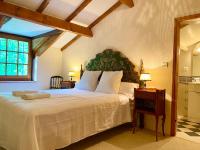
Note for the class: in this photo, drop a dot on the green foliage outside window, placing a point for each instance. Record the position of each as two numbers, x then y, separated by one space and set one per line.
14 57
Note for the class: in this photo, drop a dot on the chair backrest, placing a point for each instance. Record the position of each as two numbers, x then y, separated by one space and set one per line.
55 82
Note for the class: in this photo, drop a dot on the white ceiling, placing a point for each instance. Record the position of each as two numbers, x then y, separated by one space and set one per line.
60 9
93 11
30 4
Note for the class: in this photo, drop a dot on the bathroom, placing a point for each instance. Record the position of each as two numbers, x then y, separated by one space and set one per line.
188 101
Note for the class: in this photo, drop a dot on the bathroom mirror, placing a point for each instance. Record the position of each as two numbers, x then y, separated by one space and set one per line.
189 60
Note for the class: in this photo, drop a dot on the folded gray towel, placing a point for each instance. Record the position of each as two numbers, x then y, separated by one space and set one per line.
34 96
20 93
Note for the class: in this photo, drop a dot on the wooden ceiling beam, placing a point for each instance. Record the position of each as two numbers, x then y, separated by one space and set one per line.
78 10
50 33
70 42
29 15
110 10
43 5
42 42
4 20
45 45
75 13
129 3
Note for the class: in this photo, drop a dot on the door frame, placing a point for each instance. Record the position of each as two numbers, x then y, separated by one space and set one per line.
178 23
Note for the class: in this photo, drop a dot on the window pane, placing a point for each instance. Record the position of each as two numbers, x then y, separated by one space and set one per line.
23 47
11 57
2 44
11 69
12 45
23 58
2 56
2 69
22 70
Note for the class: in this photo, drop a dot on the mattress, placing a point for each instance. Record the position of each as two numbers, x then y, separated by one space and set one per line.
68 116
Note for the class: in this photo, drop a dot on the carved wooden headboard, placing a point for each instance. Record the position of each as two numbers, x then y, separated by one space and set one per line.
110 60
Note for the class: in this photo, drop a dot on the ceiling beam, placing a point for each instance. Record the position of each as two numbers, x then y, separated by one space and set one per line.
100 18
42 42
78 10
43 5
45 45
109 11
70 42
129 3
4 20
50 33
75 13
29 15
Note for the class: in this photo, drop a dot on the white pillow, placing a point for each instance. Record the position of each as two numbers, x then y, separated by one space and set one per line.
110 82
127 88
88 80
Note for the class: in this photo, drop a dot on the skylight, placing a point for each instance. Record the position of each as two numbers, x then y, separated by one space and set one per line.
24 28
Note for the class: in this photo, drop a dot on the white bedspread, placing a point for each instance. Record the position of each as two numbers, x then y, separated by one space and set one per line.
53 123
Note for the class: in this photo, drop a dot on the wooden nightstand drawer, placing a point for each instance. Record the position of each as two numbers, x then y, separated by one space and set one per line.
67 84
145 95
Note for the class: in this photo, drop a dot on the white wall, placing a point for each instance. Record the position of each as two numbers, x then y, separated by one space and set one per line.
49 64
144 31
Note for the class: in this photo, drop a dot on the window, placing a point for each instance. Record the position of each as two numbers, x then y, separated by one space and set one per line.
15 58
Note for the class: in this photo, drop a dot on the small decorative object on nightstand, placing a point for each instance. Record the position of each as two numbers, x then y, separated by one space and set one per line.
67 84
144 77
149 101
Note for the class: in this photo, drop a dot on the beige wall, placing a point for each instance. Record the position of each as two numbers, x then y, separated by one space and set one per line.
142 32
48 64
185 63
195 65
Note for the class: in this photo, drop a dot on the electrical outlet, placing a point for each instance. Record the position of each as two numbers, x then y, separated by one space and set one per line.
165 64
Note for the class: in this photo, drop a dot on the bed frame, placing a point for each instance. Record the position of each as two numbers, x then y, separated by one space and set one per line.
110 60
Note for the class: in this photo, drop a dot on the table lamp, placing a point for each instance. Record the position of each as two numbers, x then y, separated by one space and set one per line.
145 77
71 74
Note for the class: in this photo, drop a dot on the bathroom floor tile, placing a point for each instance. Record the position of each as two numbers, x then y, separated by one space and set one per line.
188 130
195 129
192 134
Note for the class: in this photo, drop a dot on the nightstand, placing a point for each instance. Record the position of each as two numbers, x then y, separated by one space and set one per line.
149 101
67 84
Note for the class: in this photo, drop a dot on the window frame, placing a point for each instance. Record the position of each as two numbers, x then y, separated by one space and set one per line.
30 58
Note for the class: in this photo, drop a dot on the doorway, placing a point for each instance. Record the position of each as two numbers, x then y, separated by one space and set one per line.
185 119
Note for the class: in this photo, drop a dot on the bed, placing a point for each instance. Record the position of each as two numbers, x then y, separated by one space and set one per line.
69 115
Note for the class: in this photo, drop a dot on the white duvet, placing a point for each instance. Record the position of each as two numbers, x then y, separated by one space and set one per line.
53 123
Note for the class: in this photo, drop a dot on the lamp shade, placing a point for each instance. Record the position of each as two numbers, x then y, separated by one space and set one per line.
145 77
71 73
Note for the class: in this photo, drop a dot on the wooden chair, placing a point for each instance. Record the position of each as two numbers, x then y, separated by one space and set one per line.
55 82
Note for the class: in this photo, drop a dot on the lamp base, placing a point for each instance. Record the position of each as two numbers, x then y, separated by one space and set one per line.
142 84
71 78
